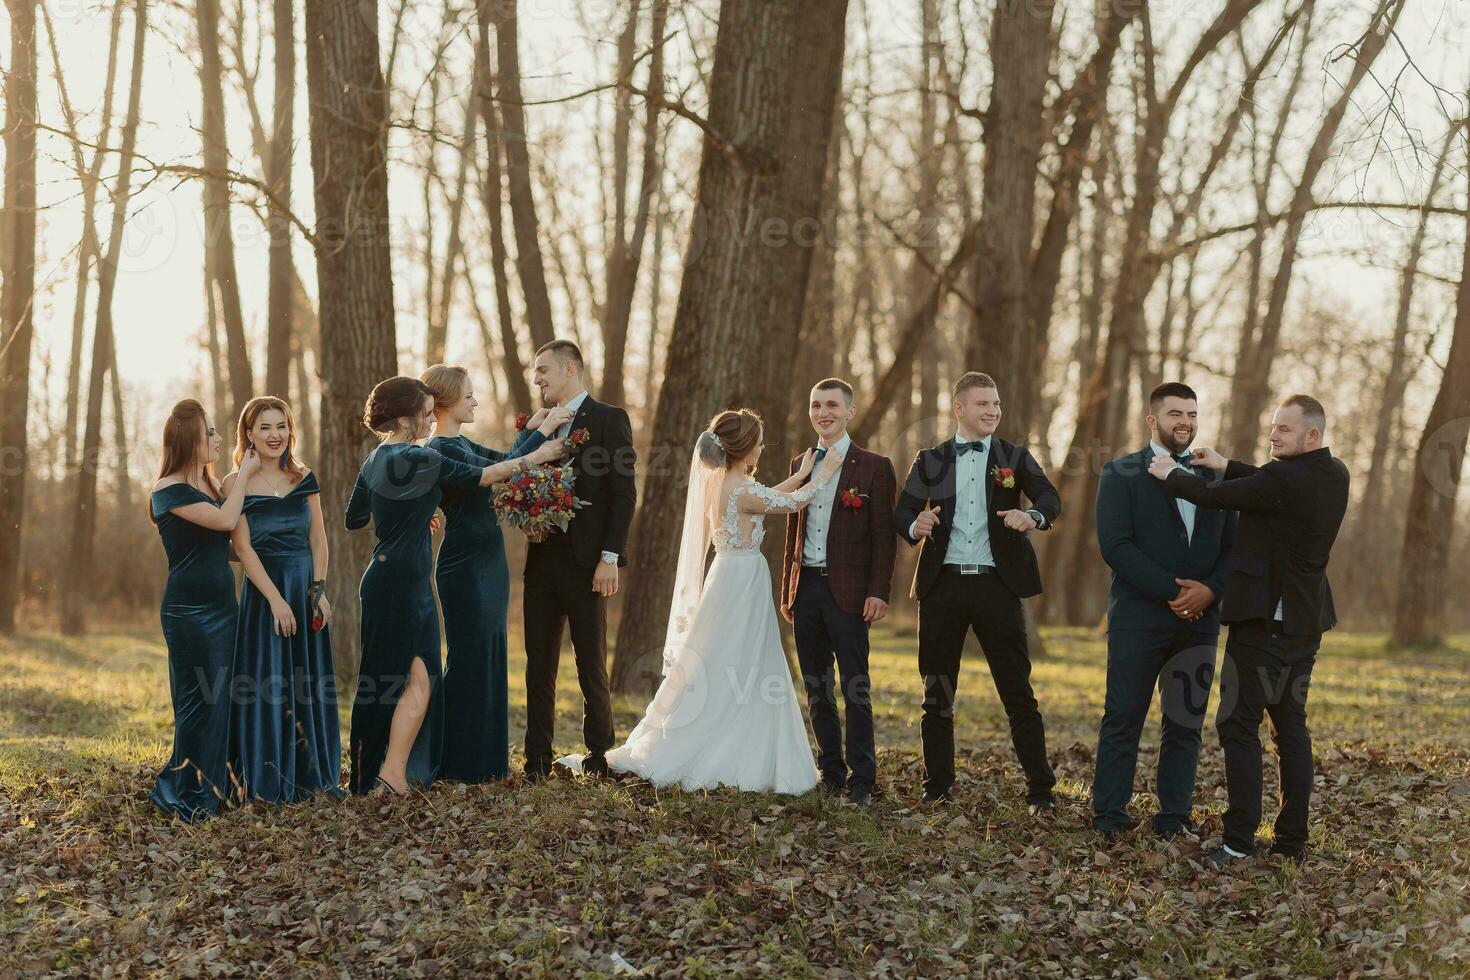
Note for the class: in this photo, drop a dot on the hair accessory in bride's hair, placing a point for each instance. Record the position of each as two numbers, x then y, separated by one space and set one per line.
711 453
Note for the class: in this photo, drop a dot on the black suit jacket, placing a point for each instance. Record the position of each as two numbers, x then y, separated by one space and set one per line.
1143 539
604 469
1290 513
931 482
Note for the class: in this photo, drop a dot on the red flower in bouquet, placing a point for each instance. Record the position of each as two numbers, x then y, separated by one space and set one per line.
579 438
538 500
1004 476
522 420
852 499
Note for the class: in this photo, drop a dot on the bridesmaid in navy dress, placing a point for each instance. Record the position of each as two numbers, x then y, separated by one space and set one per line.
397 722
199 609
474 587
285 742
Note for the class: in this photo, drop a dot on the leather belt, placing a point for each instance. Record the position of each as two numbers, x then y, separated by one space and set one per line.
972 569
815 569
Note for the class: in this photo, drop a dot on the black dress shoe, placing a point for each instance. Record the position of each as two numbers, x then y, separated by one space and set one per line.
860 795
827 788
932 797
1295 857
596 765
1042 809
1222 858
535 774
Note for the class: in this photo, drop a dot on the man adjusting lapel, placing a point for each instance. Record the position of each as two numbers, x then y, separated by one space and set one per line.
569 575
1168 559
1278 604
835 578
962 505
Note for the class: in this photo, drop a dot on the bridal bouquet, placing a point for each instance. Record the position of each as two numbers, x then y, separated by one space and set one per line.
537 500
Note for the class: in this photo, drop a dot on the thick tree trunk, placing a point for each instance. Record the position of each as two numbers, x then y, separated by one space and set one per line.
777 70
278 175
79 571
218 237
1424 566
491 191
502 14
348 120
1252 383
18 296
1020 48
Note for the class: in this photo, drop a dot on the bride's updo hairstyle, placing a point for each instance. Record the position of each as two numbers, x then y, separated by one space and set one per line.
739 432
392 399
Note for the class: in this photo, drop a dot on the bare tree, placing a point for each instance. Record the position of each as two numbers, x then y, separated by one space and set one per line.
17 297
1438 464
626 252
219 240
776 75
348 122
278 341
492 196
78 573
503 16
1020 49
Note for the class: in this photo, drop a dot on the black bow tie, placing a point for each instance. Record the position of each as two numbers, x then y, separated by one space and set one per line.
1184 459
964 447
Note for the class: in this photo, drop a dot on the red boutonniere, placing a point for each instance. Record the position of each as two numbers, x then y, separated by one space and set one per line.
1004 476
851 499
578 438
522 420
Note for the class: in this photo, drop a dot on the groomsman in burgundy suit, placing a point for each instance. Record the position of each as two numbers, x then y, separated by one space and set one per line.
834 584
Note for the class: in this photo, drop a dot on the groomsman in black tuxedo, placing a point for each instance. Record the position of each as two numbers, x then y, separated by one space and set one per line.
570 575
1168 559
1278 604
961 504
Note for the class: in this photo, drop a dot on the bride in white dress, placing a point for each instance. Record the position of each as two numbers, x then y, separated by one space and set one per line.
726 712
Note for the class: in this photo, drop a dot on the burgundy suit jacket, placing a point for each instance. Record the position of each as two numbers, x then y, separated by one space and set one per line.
860 541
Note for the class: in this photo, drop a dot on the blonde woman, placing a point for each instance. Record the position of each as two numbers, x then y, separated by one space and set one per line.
474 585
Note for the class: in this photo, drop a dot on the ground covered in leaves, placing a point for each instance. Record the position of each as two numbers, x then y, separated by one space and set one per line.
613 877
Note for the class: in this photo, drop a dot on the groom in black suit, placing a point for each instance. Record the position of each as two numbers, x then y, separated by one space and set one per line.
962 506
570 575
1278 604
1168 561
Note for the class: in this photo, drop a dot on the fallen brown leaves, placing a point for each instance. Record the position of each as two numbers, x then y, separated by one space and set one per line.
578 876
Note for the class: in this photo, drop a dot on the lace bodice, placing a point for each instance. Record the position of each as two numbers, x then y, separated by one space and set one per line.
744 530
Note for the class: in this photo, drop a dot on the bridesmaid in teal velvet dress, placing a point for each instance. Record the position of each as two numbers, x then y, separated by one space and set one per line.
474 587
397 722
285 740
199 609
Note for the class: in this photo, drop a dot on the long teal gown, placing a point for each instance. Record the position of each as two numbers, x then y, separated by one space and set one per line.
398 488
198 617
474 592
285 740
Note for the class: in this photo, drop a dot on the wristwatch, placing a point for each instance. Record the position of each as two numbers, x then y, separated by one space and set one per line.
609 557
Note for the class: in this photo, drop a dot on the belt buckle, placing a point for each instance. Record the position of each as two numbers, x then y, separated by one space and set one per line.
969 569
815 569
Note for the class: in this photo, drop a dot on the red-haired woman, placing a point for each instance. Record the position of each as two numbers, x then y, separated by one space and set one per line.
397 717
285 743
199 609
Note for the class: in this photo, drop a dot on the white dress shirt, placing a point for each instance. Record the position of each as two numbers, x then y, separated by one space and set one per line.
1186 509
969 539
564 430
819 513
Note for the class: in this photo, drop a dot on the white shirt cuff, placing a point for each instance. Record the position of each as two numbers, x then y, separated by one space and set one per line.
610 557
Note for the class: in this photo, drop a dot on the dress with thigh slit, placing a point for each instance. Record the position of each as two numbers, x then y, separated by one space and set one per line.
285 739
198 618
398 489
474 592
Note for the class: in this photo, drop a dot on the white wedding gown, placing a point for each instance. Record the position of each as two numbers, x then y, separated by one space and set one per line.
726 712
